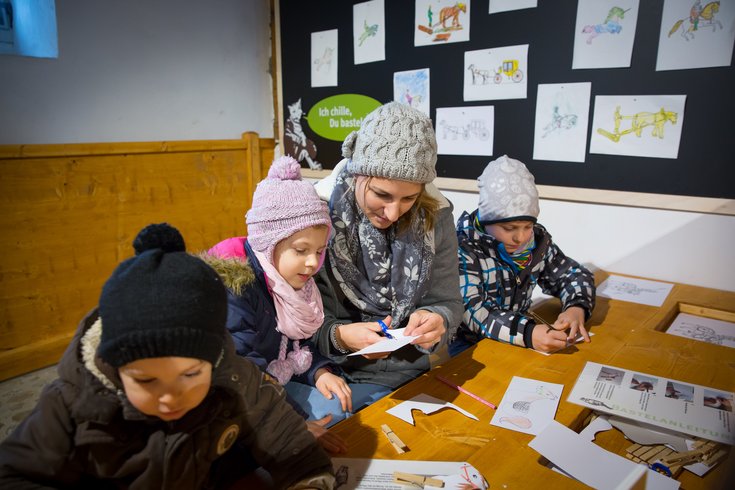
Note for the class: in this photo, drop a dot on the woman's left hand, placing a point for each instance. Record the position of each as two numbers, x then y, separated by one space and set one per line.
427 324
330 385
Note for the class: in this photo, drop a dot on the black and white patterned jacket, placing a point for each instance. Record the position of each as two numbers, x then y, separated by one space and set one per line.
496 298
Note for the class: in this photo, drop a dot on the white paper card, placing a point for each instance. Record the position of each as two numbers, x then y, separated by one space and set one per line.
388 345
588 462
635 290
377 474
703 329
427 404
528 405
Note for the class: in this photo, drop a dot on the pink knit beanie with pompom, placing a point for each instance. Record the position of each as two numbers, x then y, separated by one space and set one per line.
283 204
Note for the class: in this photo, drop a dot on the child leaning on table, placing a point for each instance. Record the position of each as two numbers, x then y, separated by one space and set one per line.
274 305
503 254
151 394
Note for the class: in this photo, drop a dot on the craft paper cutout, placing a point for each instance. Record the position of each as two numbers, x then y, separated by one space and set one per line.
388 345
528 405
425 403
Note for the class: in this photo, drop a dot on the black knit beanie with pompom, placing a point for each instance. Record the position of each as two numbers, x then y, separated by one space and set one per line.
163 302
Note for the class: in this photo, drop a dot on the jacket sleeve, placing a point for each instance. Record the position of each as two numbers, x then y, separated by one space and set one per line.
482 315
39 452
279 438
568 280
334 314
442 295
241 323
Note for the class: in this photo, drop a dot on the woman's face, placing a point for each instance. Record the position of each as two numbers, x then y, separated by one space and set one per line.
384 201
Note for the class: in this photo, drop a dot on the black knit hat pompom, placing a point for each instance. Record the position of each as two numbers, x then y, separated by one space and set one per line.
163 302
160 235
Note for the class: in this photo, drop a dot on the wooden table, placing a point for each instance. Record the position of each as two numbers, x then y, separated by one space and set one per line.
627 335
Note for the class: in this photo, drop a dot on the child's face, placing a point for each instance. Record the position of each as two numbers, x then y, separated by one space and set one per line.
512 234
297 257
384 201
166 387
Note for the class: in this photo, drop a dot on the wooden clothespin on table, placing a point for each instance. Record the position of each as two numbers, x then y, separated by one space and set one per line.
417 481
395 441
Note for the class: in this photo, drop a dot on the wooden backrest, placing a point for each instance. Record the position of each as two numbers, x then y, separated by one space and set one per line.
69 213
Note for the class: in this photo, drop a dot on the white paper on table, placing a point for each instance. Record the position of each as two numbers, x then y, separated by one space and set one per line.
528 405
388 345
588 462
652 293
358 473
427 404
576 341
703 329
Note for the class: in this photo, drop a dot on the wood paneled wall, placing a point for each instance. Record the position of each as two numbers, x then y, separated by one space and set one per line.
69 213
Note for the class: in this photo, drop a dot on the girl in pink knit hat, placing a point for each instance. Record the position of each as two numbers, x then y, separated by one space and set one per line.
274 306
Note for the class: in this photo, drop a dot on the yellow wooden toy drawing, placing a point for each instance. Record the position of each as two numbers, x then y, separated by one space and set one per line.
638 122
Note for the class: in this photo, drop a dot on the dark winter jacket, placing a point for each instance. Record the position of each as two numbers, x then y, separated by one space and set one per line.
84 433
251 313
496 298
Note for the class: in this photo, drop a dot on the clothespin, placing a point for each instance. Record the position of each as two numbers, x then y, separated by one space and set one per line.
417 481
394 439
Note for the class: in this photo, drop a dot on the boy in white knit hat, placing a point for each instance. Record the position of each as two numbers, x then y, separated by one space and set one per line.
503 254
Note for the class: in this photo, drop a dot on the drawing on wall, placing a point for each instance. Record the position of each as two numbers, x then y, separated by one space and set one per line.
497 6
441 21
528 405
562 112
324 58
604 33
465 130
647 126
412 88
703 329
496 73
694 34
368 31
295 142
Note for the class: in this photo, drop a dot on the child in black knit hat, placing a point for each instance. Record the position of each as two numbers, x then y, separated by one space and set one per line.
152 395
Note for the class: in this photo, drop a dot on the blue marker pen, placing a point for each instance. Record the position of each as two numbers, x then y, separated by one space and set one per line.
384 328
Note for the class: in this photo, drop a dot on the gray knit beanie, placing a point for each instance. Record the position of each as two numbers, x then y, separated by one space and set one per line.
395 141
507 192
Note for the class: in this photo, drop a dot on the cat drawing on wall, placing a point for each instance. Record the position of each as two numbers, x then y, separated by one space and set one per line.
295 141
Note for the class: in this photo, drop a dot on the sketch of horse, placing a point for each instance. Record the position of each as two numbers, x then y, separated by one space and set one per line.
559 122
325 59
655 119
451 13
699 17
476 72
611 27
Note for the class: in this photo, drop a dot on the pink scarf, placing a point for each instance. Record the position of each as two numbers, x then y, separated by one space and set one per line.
299 314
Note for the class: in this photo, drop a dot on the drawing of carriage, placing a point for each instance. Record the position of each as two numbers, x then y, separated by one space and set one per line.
509 68
476 128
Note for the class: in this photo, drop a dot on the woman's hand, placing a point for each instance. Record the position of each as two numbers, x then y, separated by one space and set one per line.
427 324
572 319
331 442
331 385
356 336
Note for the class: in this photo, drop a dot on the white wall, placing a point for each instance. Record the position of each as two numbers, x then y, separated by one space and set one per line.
683 247
143 71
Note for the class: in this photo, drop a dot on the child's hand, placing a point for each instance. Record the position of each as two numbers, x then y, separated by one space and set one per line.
330 384
573 320
429 325
331 442
546 339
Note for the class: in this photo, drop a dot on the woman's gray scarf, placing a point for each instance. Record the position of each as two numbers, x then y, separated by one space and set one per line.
362 258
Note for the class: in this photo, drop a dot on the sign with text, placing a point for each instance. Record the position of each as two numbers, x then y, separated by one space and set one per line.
337 116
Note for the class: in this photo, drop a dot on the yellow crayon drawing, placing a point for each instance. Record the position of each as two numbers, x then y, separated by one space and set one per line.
638 122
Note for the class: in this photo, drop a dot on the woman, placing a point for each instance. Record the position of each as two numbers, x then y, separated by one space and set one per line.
393 255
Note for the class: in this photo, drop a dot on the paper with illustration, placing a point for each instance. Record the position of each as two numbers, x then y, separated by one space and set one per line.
652 293
427 404
388 345
528 405
703 329
377 474
688 408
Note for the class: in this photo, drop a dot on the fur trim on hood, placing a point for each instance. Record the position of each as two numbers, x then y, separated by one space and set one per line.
89 343
236 273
